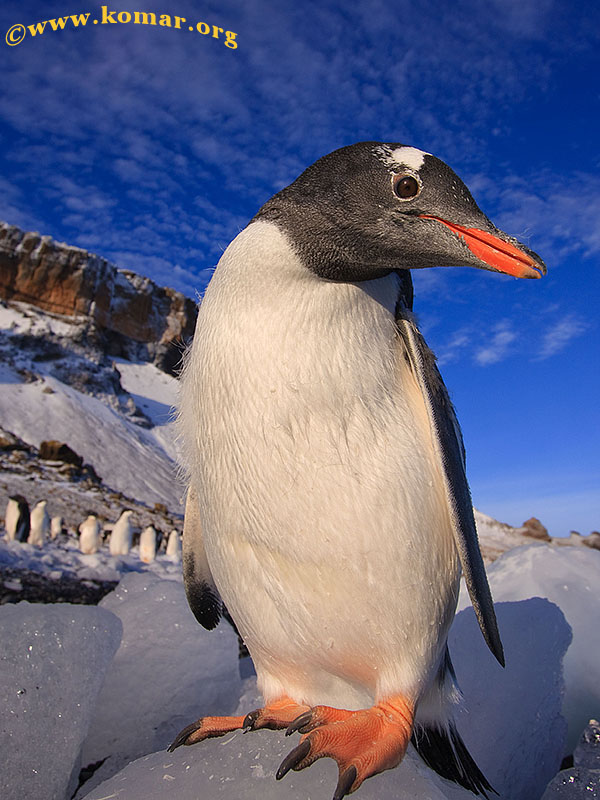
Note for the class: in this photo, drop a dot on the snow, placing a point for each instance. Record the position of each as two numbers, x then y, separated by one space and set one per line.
138 461
64 558
125 455
167 672
569 577
52 664
23 318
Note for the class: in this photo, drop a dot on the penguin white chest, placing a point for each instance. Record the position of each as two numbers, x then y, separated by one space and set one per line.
324 516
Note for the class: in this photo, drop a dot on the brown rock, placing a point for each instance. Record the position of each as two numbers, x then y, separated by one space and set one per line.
593 540
535 530
53 450
72 282
8 441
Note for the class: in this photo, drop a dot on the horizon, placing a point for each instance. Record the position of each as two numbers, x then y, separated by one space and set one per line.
153 146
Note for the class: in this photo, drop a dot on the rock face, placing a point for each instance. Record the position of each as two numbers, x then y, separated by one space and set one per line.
129 309
535 530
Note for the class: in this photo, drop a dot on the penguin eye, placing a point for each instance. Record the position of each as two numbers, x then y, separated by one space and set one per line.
405 186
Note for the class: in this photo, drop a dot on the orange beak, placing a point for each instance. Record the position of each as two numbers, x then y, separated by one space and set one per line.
500 255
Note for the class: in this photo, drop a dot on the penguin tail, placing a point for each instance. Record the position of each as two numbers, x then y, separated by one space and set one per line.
444 751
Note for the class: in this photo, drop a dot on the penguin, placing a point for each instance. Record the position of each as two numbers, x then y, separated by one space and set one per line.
148 544
174 545
40 524
56 527
16 519
328 506
90 539
121 536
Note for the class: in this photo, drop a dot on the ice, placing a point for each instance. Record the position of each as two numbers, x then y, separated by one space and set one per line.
582 781
587 752
511 720
167 672
243 768
569 577
52 665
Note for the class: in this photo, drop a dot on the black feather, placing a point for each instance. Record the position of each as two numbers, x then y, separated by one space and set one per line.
444 751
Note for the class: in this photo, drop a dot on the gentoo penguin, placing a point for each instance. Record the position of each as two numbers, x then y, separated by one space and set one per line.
174 545
328 506
40 524
90 539
120 538
16 519
148 544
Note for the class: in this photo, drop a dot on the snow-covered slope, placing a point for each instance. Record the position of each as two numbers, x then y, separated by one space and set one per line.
57 385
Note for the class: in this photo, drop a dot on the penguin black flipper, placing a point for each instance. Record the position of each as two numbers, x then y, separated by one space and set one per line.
202 594
448 442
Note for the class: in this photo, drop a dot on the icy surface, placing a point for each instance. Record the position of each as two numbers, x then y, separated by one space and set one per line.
512 723
240 767
167 672
52 663
569 577
582 781
587 752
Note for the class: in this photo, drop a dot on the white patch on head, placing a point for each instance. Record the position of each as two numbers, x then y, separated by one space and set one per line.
401 157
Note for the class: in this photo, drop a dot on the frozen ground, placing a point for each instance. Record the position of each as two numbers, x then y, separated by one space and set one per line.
168 671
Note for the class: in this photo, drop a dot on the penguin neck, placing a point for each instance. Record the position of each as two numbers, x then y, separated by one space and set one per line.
267 320
262 273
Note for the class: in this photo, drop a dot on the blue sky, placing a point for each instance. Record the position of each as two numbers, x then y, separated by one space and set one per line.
153 146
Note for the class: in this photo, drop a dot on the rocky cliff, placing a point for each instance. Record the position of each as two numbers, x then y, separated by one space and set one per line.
135 317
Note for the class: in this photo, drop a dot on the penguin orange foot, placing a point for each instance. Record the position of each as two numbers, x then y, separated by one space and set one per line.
363 743
276 716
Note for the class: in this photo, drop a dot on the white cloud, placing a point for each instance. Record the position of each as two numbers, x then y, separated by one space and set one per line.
559 336
499 345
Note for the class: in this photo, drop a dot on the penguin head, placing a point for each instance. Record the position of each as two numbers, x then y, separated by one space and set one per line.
366 210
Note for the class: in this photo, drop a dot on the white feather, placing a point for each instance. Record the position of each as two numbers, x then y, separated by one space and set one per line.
323 510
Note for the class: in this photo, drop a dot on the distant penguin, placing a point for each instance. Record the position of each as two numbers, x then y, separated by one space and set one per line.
174 545
40 525
16 520
120 538
56 527
90 539
148 545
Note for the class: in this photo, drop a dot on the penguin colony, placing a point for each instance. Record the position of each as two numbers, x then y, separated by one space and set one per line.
328 506
37 528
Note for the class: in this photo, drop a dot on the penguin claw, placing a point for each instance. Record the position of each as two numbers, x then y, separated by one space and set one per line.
345 782
183 735
299 723
250 720
293 759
